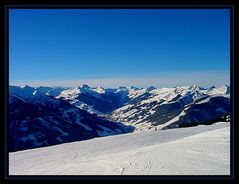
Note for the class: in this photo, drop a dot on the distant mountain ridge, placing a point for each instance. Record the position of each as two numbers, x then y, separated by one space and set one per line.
45 116
100 100
178 106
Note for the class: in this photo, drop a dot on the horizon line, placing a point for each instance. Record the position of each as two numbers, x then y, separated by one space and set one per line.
169 79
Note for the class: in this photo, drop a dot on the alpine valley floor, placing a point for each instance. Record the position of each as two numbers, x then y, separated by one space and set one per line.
200 150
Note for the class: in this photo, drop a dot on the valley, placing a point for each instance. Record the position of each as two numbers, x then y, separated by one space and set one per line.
46 116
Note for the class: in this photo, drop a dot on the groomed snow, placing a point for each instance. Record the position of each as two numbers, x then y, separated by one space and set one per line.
201 150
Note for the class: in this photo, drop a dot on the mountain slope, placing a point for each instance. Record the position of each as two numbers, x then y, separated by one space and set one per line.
99 100
201 150
160 106
37 120
85 98
50 91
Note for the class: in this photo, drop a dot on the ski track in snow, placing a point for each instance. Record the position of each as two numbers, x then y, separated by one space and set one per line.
201 150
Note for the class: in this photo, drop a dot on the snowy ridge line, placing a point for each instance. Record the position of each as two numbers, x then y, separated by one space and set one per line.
145 148
123 106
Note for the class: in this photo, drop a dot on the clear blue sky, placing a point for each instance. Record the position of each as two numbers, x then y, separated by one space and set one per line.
77 45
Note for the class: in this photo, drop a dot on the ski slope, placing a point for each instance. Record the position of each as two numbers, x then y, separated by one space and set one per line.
200 150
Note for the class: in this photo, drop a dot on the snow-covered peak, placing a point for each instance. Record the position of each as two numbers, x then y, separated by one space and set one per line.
223 90
194 87
70 93
136 92
99 90
75 90
74 93
79 89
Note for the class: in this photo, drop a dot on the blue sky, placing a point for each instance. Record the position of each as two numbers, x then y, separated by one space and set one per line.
119 47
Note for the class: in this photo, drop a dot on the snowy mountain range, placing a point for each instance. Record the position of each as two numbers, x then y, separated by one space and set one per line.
175 107
37 120
45 116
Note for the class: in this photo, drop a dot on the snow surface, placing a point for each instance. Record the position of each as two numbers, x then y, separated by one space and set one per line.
74 92
133 93
200 150
99 90
223 90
